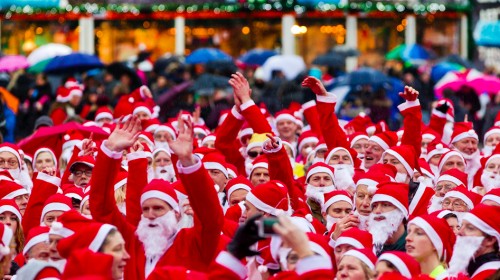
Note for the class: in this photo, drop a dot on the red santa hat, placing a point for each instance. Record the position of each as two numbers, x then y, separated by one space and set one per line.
486 161
11 148
120 180
395 193
336 149
491 131
165 150
270 197
285 114
356 238
72 138
407 266
245 131
318 245
85 160
320 167
486 218
28 157
462 130
103 112
493 195
238 183
377 174
360 123
436 148
215 161
69 222
64 94
223 115
429 134
307 137
150 125
10 205
385 139
148 138
469 198
425 168
162 190
11 190
142 107
356 136
259 162
56 202
439 232
201 129
167 128
89 265
447 156
206 139
89 236
72 82
335 196
450 113
6 235
405 154
232 171
74 192
45 150
455 176
365 255
36 235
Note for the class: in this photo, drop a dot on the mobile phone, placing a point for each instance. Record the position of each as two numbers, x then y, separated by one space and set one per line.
265 227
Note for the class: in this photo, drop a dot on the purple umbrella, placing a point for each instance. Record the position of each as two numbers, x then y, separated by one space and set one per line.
10 63
168 96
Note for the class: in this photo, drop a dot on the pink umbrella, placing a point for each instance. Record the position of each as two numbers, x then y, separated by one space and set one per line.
10 63
480 82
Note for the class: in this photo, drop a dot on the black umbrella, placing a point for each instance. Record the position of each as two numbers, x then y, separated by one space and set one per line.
169 95
344 51
329 59
162 63
207 83
221 67
118 69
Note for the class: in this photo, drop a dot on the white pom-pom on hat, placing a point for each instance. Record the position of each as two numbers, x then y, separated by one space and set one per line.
309 218
131 99
56 226
279 212
262 268
439 146
372 189
66 137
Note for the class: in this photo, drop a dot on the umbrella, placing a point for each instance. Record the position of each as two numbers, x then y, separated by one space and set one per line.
48 51
221 67
118 69
363 76
413 53
53 136
440 69
487 33
207 83
290 65
344 51
204 55
74 62
39 67
330 59
256 57
10 63
454 58
162 63
480 82
166 97
10 100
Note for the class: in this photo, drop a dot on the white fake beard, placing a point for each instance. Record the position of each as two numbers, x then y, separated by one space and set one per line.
382 230
248 166
460 216
24 179
401 177
487 151
330 221
343 176
59 264
157 239
475 155
490 180
363 222
161 144
464 249
317 193
435 204
122 207
186 221
151 174
15 173
282 256
361 156
434 169
166 173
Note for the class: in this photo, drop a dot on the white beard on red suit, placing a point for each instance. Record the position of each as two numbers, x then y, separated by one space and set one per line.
473 162
343 174
156 234
151 174
59 264
186 221
401 177
490 180
166 173
248 165
487 151
330 221
317 193
435 204
382 230
464 249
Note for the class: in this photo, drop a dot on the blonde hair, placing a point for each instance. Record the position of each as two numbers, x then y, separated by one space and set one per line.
120 194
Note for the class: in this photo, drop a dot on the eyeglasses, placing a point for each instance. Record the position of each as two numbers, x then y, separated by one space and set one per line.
79 173
254 154
12 163
446 187
454 204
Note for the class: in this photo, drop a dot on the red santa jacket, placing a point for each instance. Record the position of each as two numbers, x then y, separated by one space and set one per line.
193 248
137 179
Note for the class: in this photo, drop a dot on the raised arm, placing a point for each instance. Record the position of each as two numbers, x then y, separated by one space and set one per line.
412 119
201 192
312 117
136 181
227 143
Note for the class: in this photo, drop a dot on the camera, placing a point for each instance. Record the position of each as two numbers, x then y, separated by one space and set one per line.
265 227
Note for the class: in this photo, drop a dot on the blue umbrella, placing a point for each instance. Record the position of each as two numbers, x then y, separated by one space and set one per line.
440 69
487 33
204 55
415 52
363 76
256 57
73 63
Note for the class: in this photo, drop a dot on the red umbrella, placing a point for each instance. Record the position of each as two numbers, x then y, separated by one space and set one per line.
52 137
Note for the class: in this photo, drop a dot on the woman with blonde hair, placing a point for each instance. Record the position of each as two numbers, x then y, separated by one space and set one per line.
11 217
357 264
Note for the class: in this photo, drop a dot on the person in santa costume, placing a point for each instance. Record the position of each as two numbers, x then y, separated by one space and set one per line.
68 97
465 140
162 165
319 181
44 157
11 161
11 217
490 177
337 205
36 247
156 240
6 235
490 140
357 264
397 262
353 238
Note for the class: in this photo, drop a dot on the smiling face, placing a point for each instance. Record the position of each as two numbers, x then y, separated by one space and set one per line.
467 145
115 246
373 154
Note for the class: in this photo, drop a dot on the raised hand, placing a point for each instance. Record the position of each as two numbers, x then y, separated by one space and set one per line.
344 224
124 135
409 94
51 171
315 85
183 145
88 146
137 147
271 144
241 88
146 92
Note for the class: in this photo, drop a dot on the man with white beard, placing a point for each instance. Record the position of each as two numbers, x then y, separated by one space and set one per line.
338 204
476 250
319 181
448 181
162 165
11 161
465 140
343 164
490 177
156 241
388 217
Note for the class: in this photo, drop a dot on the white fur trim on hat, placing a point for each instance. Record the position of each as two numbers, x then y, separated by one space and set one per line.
283 117
481 225
457 194
397 262
357 138
428 136
259 204
334 199
452 179
349 241
380 142
207 138
401 159
58 229
142 109
387 198
237 187
334 150
308 140
431 232
54 206
444 158
120 184
494 156
167 129
11 150
216 166
490 132
361 257
319 169
471 133
261 165
100 237
491 197
367 182
160 195
41 238
103 115
5 208
15 194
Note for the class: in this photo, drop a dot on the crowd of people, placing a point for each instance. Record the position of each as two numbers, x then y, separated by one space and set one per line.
290 195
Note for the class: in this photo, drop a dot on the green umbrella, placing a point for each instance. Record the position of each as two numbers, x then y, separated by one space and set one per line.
39 67
395 53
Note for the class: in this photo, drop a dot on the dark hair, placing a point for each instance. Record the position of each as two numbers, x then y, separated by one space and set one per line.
106 240
450 215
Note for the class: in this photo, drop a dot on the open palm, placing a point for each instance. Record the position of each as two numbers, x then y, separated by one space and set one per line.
124 135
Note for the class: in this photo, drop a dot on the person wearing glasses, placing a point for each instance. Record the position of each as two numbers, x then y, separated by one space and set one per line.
460 201
445 183
81 170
